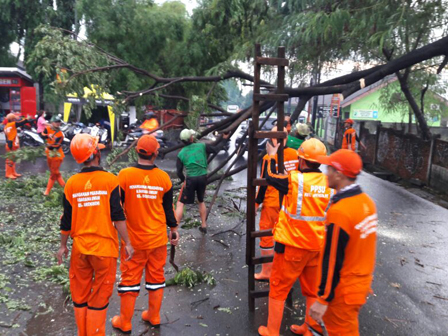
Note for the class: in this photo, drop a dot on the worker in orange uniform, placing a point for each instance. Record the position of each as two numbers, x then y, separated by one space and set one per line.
269 197
350 136
147 195
348 259
92 216
151 123
54 137
298 234
12 142
287 124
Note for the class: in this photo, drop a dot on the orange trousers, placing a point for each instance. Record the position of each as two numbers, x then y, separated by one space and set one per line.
291 265
152 261
268 218
92 280
53 164
341 317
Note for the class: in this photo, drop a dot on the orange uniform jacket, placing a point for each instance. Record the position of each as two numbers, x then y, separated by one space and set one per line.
268 195
150 124
147 195
12 141
349 139
302 216
54 141
348 258
91 203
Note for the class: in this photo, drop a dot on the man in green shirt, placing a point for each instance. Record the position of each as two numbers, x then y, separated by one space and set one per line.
299 132
194 158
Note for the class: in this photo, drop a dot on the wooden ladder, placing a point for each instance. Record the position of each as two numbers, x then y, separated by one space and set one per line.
252 181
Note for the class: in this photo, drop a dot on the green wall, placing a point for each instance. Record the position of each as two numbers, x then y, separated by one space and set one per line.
369 108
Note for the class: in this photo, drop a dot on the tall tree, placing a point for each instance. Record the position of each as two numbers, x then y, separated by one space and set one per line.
19 18
319 35
156 38
369 31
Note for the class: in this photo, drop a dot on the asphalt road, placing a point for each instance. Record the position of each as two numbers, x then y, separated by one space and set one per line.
411 296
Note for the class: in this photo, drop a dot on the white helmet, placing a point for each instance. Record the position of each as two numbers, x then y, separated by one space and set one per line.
186 134
300 129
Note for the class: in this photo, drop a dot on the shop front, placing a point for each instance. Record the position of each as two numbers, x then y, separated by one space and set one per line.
103 112
17 92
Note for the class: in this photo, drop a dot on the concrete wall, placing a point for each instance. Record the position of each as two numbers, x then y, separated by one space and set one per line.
439 178
405 155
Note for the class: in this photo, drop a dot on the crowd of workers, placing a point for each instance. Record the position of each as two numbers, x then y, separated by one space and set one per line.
324 227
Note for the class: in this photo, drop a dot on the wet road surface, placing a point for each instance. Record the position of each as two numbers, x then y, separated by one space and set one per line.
411 294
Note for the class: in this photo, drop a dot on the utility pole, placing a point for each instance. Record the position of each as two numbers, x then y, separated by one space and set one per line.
316 80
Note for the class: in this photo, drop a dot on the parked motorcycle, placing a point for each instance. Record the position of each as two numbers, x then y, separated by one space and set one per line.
30 137
71 129
97 130
134 133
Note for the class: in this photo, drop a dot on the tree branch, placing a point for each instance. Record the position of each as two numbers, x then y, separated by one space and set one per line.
442 65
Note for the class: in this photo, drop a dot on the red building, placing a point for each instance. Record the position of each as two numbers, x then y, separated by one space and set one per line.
17 92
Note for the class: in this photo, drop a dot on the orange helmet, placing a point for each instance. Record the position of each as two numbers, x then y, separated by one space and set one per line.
12 117
83 146
311 149
349 121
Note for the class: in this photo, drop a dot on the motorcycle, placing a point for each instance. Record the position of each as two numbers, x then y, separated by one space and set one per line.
71 129
133 133
97 130
30 137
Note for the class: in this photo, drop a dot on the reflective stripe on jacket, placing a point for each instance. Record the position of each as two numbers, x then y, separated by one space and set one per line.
302 216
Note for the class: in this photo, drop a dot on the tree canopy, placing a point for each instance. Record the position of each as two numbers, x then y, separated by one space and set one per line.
145 50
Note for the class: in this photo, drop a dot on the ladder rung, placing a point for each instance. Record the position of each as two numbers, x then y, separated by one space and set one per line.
271 97
259 293
259 182
262 260
261 233
272 61
270 135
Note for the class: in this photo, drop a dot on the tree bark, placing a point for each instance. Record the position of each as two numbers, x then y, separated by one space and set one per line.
422 124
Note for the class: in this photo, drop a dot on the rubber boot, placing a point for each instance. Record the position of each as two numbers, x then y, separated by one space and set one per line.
96 322
304 329
152 315
266 268
50 185
123 322
80 317
14 171
301 330
61 181
8 172
274 318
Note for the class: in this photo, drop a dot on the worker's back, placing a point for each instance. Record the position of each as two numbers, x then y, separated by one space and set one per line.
89 194
194 159
357 217
144 188
301 220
